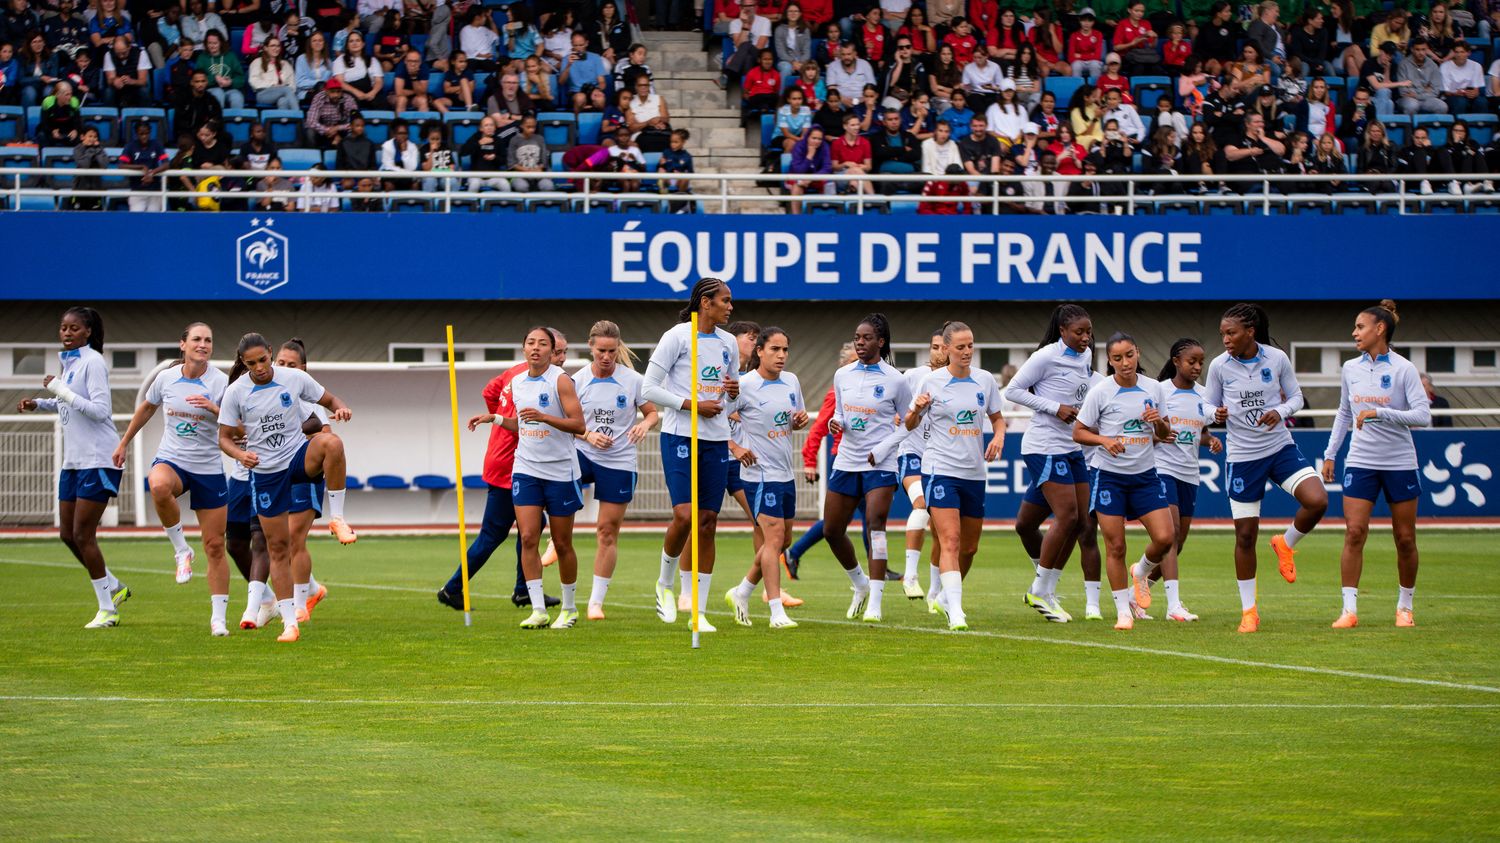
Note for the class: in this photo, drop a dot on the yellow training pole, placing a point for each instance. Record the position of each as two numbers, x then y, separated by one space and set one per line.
693 469
458 469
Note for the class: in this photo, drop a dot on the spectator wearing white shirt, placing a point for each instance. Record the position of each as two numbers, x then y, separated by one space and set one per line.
1039 191
1463 83
982 80
1115 108
894 13
372 13
317 194
399 155
940 152
479 40
1006 117
750 33
850 74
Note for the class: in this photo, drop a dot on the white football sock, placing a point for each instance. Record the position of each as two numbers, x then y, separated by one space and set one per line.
569 597
1091 590
1142 567
1039 585
221 606
669 565
744 589
538 596
953 592
114 584
288 613
1247 594
312 583
704 582
1053 575
179 541
101 592
601 588
1173 600
1036 565
1351 599
1404 601
1292 536
336 503
685 583
299 596
934 582
778 612
913 563
877 593
857 576
1122 601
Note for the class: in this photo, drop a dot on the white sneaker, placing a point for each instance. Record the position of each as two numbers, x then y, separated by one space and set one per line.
1181 614
872 616
218 629
1425 188
1138 612
666 604
1092 613
913 589
265 613
1489 186
783 623
739 605
251 618
857 603
704 625
1454 189
957 622
1062 614
184 566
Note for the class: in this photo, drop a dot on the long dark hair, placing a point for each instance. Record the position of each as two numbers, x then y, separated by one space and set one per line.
882 328
551 334
1169 371
1062 315
1385 313
760 342
705 288
1254 317
91 320
1120 336
181 359
247 342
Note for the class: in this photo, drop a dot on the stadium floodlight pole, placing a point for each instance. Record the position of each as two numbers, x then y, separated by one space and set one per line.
697 317
458 467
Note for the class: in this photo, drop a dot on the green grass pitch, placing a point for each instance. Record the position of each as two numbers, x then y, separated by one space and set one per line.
391 720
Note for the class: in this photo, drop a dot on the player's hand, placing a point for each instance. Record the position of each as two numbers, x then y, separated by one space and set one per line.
1221 415
250 460
745 456
1270 419
1114 446
871 458
26 405
530 414
732 386
342 414
1364 416
599 440
922 403
709 409
1215 444
1067 413
800 419
835 428
810 475
1151 416
48 379
1328 471
202 402
118 457
482 418
637 432
992 451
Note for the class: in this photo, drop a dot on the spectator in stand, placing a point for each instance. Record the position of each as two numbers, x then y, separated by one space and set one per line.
631 68
17 20
479 40
1376 155
940 152
678 161
830 115
1379 75
1441 33
258 151
182 160
793 119
1135 41
210 151
1175 52
537 83
274 181
1464 157
1339 27
272 78
1463 83
810 80
87 80
1006 116
648 119
400 155
1420 161
749 33
108 23
528 153
1254 153
1327 160
1310 44
958 116
1269 108
410 86
390 45
255 35
1086 48
1046 117
67 31
1249 74
36 70
1046 188
1359 112
1199 156
556 30
1264 33
195 106
963 42
507 104
1115 152
810 155
318 195
363 201
905 75
946 189
87 155
1425 94
942 13
484 152
614 113
984 16
1317 112
1026 74
1051 44
868 110
356 151
362 79
145 155
1438 402
850 74
1112 79
127 75
458 83
870 38
923 37
894 151
761 86
979 152
168 34
314 67
1167 115
437 157
330 115
1393 29
522 40
582 69
1216 41
226 75
1086 115
852 154
946 77
982 81
1125 115
609 34
819 13
372 14
328 16
1067 152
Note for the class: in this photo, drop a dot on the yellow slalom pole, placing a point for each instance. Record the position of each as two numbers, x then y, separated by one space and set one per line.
458 473
693 470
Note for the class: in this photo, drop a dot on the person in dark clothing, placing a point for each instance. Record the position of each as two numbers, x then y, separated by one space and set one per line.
1254 153
895 151
1438 402
61 124
195 107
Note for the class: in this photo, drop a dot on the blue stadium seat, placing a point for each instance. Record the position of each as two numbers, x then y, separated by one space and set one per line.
1146 90
1179 209
1436 126
1398 126
105 119
353 483
653 161
416 119
640 206
159 79
557 162
285 126
1482 127
33 120
386 481
12 123
1063 87
767 130
589 126
330 159
434 83
378 125
546 206
432 482
502 206
300 159
475 481
462 125
237 123
1479 51
129 117
558 128
823 207
19 156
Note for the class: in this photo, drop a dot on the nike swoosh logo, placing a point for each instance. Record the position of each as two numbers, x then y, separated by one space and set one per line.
1411 486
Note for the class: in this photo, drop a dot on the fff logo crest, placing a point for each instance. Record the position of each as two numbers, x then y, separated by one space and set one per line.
262 258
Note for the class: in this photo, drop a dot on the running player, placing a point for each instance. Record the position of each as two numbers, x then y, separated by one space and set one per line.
870 400
188 461
955 399
1052 383
909 467
1122 418
1177 459
307 498
1381 396
810 448
610 394
669 377
770 407
546 474
1255 391
264 410
89 478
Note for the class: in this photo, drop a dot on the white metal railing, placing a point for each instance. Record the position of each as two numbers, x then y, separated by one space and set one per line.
1135 192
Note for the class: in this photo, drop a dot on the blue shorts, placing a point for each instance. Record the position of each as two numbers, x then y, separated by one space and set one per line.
273 493
1056 468
713 471
241 509
90 484
857 484
966 496
204 491
611 485
1367 484
774 499
558 498
1181 494
1128 495
909 465
734 484
307 496
1247 479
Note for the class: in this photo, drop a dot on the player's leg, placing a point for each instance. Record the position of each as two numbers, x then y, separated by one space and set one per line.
1404 528
78 528
211 524
301 524
606 554
1293 473
838 511
917 524
529 525
325 456
1352 557
877 511
166 486
278 532
560 527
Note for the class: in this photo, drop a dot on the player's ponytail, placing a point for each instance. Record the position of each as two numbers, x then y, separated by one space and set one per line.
882 327
1062 316
1385 314
93 321
182 358
295 344
951 329
247 342
610 331
760 342
705 288
1119 337
1254 317
1169 371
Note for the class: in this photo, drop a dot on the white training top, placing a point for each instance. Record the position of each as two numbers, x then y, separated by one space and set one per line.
1051 377
1115 411
766 408
271 414
959 408
609 407
1389 385
668 379
190 435
1249 388
870 401
89 434
542 451
1188 414
915 441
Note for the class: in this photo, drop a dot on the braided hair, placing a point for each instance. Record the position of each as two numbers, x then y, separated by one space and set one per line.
1062 316
1254 317
91 320
705 288
882 328
1120 336
760 342
1169 371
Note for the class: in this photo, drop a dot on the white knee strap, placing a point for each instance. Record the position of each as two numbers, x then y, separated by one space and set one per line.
914 492
1244 509
1291 483
877 545
917 521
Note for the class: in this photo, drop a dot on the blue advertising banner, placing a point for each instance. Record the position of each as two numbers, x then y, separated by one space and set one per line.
601 256
1457 467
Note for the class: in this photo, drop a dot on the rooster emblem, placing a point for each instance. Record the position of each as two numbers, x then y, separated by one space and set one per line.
262 252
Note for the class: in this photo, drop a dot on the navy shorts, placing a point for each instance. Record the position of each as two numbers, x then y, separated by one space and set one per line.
204 491
857 484
775 499
713 471
274 493
1128 495
611 485
1368 484
1247 479
734 484
966 496
909 465
1056 468
307 496
1181 494
89 484
558 498
241 510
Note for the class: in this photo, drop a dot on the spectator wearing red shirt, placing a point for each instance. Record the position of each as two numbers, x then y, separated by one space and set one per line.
817 13
1005 40
852 154
1086 48
1050 42
946 188
871 37
1174 53
984 16
1135 40
962 40
762 85
1112 80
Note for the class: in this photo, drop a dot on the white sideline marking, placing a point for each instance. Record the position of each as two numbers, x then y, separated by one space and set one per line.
1006 636
411 703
